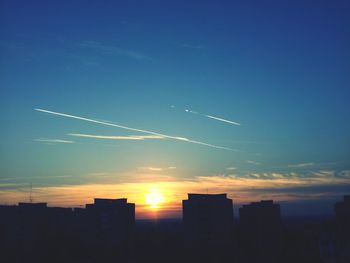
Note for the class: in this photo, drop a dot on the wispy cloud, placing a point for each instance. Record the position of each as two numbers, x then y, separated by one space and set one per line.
52 140
213 117
134 129
324 173
157 169
111 137
344 174
300 165
253 162
111 50
99 174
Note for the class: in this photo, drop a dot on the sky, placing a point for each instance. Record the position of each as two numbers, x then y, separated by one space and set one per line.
162 98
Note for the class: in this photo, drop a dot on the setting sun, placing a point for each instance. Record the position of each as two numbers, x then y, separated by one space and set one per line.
154 198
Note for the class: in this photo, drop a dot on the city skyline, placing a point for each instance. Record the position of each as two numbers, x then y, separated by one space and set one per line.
151 101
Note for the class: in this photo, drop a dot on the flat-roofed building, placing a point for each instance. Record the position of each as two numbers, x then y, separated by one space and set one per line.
208 226
260 231
109 225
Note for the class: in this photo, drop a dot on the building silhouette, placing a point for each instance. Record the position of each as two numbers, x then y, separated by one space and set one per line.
111 220
31 232
260 226
208 227
342 221
342 215
34 232
106 231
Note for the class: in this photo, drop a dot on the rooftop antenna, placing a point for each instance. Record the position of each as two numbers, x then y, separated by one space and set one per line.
30 193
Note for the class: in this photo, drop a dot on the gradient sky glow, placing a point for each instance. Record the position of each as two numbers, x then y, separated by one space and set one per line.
245 97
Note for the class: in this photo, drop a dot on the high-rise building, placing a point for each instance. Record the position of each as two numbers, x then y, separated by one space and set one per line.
342 214
208 226
33 232
260 214
30 232
260 226
112 220
109 225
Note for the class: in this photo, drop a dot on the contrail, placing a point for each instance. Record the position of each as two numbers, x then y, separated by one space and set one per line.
52 141
213 117
134 129
111 137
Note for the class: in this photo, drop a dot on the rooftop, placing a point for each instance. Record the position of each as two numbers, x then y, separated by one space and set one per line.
207 196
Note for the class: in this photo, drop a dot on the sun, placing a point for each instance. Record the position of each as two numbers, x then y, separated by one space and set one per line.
154 198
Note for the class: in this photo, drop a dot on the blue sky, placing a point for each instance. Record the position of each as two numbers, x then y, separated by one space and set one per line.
278 68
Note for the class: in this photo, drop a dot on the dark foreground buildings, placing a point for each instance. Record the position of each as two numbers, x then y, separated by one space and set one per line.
334 240
208 227
105 231
342 217
108 227
260 232
33 232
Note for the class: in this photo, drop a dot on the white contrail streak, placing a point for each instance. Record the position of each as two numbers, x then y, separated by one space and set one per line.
133 129
213 117
111 137
220 119
53 141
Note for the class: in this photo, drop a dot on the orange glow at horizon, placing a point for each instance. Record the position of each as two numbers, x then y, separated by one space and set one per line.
160 197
